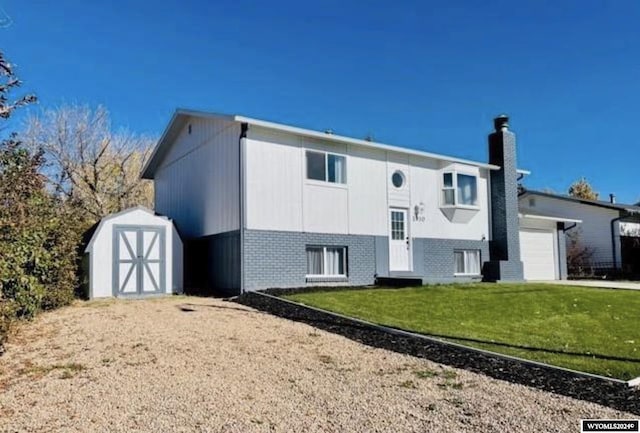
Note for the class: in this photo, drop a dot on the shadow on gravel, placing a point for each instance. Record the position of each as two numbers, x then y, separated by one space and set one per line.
191 308
597 390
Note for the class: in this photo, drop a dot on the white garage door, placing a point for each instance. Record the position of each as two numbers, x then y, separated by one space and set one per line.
536 251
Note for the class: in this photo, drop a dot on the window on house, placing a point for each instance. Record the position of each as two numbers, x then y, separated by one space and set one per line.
448 190
316 166
467 190
397 179
467 262
459 189
397 225
326 261
326 167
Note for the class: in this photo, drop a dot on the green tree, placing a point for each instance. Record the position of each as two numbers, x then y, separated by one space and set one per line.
583 189
8 82
39 233
38 237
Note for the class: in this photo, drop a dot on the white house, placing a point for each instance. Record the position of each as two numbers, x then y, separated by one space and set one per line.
605 229
262 204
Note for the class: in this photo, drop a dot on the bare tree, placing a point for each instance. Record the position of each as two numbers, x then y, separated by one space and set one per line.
579 256
8 82
89 164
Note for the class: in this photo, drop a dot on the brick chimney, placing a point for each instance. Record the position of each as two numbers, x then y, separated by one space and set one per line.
504 247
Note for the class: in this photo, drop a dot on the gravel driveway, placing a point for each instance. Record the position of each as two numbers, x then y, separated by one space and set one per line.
198 364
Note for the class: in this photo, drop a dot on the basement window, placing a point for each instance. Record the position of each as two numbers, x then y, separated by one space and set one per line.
326 261
467 262
459 189
326 167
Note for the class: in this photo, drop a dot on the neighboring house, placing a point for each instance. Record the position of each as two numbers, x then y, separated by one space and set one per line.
262 204
607 227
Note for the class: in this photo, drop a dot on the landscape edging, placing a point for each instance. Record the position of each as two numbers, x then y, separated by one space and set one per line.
609 392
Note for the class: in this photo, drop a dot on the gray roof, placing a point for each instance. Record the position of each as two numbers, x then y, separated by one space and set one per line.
629 208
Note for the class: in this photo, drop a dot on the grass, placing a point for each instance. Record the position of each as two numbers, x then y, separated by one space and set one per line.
586 329
68 370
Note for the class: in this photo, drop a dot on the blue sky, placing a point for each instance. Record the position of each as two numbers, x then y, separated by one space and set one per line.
425 74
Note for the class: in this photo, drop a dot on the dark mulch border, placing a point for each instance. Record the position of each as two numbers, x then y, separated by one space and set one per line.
597 390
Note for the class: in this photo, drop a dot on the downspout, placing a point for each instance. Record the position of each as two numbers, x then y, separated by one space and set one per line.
613 240
244 127
564 233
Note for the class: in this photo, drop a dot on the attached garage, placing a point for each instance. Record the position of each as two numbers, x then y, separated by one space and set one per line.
542 247
133 253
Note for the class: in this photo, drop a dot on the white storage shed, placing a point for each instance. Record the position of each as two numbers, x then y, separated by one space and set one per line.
133 253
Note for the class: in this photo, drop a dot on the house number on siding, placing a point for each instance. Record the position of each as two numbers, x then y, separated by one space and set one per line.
418 213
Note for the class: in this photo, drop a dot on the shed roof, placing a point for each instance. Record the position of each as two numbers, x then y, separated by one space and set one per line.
90 235
180 116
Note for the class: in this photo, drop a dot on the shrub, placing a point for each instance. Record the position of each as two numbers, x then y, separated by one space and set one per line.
7 317
38 238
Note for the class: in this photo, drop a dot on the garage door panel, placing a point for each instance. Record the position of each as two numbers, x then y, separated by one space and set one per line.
537 254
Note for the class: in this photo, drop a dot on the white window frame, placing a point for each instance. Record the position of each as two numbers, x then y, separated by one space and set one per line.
324 260
326 168
454 179
464 261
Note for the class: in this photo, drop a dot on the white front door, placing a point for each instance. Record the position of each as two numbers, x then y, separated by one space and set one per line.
399 242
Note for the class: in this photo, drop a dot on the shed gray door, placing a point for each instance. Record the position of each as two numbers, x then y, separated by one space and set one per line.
138 260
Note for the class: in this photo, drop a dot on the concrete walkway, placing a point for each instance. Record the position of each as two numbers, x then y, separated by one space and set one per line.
605 284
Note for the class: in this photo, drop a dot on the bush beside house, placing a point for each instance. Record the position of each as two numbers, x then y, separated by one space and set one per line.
57 178
39 236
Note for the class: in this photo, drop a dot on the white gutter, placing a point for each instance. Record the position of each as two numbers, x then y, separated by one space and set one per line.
549 218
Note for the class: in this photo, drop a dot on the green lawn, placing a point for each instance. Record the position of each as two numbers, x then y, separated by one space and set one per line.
592 330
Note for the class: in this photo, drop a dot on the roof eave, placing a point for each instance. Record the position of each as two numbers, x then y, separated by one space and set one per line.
359 142
147 172
549 218
605 205
150 166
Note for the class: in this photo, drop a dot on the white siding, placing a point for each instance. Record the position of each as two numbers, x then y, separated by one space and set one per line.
325 205
101 253
279 197
367 180
197 183
273 179
595 230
